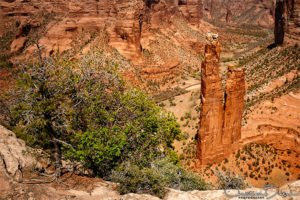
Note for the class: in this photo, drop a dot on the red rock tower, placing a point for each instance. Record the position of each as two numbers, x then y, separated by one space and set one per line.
212 111
234 106
221 113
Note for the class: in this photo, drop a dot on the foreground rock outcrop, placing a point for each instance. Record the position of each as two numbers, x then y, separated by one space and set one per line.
13 160
13 156
84 188
221 116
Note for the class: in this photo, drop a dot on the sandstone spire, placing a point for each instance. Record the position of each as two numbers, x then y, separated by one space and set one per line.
221 115
234 105
211 120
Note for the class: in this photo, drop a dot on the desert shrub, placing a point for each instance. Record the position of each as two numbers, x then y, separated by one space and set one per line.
155 178
188 115
230 181
4 62
139 180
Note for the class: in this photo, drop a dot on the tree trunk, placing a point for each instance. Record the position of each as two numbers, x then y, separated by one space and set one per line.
57 158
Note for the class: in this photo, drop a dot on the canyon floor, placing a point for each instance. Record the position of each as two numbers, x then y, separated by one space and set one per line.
277 112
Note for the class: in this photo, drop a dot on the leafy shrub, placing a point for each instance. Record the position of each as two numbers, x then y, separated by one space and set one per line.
88 105
142 133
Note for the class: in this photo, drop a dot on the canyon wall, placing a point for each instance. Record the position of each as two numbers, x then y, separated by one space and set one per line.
247 12
221 116
287 19
292 16
64 22
192 10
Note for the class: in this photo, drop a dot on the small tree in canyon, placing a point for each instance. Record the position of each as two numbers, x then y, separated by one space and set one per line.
86 106
42 113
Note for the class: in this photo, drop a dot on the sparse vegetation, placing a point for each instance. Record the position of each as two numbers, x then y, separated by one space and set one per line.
155 178
272 64
229 181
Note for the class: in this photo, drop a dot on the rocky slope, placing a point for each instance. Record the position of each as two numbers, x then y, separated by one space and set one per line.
134 28
160 50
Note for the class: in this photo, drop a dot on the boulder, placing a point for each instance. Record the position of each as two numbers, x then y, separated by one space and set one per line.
18 44
13 156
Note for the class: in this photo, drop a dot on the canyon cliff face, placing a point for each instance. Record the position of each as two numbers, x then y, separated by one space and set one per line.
147 33
291 14
192 10
221 118
287 19
125 21
247 12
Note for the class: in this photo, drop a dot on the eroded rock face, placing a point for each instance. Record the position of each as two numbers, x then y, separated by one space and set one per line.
221 117
293 17
124 20
212 110
13 160
250 12
192 10
287 19
279 137
234 105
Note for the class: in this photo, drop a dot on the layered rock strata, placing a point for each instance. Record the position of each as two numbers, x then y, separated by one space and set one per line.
221 113
63 23
192 10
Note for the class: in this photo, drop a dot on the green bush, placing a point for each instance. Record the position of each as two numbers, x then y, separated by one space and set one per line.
140 133
87 105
